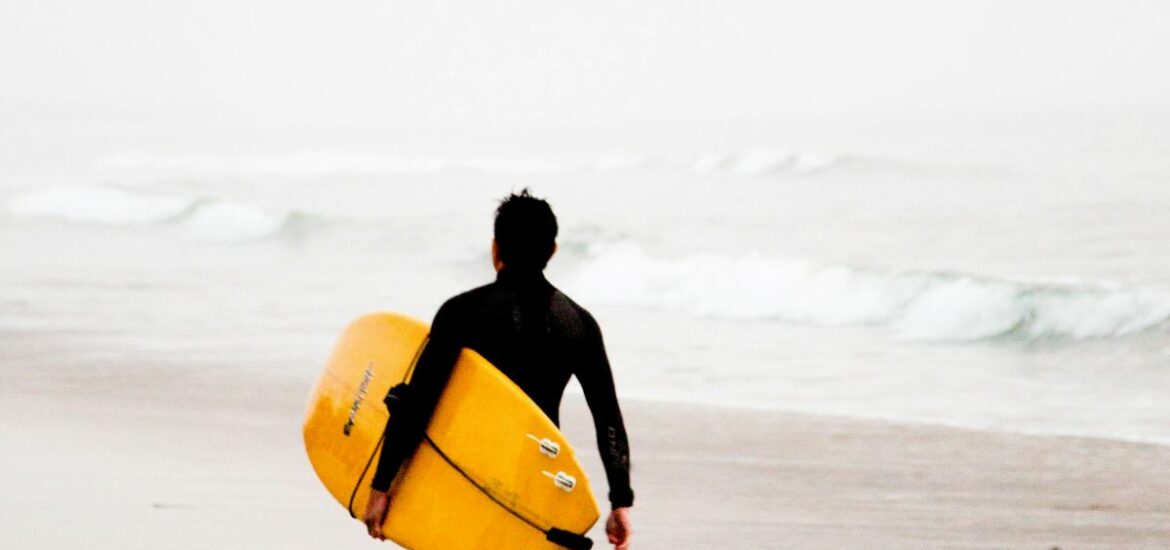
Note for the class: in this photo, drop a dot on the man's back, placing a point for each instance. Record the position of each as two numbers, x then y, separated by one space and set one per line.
539 338
535 335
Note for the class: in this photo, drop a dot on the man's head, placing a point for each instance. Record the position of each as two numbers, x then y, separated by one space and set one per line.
526 232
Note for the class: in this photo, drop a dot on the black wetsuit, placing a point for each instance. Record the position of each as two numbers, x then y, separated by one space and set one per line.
536 336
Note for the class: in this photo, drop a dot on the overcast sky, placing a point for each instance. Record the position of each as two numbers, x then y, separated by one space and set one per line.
561 61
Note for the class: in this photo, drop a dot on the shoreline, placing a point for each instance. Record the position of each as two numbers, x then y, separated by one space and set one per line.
909 422
207 456
116 370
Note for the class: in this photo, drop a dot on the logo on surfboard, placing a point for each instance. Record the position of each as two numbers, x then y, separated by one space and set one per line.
363 388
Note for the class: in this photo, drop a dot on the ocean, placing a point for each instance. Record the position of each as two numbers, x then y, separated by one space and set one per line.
1012 280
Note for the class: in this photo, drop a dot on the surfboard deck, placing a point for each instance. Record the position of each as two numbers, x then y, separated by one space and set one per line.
495 472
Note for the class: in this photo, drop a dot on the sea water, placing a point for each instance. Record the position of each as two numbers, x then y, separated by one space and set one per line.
1003 280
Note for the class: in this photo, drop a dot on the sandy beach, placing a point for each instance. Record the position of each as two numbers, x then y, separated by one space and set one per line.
123 454
871 275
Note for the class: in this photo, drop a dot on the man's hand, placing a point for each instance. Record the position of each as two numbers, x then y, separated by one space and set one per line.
618 528
376 513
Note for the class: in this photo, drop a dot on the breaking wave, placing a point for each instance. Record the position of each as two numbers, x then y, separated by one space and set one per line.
100 205
196 218
912 305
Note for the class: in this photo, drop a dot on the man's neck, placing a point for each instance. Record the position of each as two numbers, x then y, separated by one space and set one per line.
520 276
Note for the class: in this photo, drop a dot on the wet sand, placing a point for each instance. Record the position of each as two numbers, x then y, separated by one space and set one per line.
98 453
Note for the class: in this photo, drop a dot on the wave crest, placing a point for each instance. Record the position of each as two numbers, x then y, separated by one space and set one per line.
100 205
913 306
196 218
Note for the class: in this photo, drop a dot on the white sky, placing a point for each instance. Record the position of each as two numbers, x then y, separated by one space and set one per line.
598 61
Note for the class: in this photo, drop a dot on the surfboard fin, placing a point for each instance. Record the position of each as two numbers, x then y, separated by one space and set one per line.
568 539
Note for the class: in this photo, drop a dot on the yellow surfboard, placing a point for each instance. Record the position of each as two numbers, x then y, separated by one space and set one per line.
493 473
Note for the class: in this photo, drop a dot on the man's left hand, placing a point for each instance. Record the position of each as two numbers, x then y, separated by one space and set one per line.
376 511
618 528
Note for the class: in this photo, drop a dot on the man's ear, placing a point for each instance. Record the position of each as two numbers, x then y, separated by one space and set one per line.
554 252
496 256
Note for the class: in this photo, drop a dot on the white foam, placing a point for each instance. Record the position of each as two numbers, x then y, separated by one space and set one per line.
229 222
99 205
1098 313
198 219
755 163
914 306
961 309
709 162
806 163
747 287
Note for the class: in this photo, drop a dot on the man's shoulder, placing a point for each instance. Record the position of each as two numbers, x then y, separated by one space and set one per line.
467 297
572 313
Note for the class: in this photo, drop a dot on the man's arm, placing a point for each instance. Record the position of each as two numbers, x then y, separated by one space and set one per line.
597 382
405 430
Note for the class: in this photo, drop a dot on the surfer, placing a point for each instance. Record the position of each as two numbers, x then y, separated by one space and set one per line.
536 336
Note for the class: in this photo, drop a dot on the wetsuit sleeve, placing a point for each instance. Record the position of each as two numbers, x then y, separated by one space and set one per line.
597 382
405 431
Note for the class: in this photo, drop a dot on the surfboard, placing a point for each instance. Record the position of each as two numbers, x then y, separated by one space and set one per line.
493 471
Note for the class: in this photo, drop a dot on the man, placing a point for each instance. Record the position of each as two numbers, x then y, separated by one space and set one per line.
536 336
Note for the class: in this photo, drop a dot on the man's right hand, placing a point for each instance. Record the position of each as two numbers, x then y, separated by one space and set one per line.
376 511
618 528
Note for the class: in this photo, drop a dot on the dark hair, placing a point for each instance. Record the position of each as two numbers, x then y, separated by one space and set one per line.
526 231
